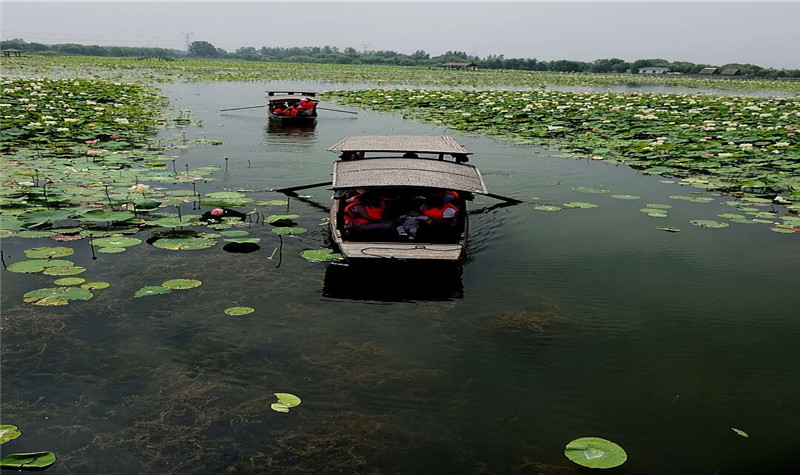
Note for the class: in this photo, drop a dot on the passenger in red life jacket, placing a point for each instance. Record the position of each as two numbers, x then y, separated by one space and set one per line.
442 207
279 110
292 111
307 106
365 212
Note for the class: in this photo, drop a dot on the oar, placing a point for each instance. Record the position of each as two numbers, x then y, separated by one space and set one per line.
504 198
336 110
240 108
292 189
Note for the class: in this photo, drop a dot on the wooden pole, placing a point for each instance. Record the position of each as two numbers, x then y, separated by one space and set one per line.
240 108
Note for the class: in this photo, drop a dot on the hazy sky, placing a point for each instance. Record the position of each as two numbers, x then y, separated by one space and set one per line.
766 34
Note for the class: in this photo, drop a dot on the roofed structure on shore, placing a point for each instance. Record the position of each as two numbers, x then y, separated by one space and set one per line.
731 72
708 71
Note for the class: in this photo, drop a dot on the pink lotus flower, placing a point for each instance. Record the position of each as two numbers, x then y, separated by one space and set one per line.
217 212
91 142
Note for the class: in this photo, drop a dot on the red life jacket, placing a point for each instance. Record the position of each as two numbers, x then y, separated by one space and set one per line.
307 105
454 194
278 110
291 111
374 212
436 213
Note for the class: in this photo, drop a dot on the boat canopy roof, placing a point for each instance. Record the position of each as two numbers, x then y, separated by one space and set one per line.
408 172
288 97
400 143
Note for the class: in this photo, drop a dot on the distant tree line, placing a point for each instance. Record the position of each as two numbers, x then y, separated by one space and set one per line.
349 55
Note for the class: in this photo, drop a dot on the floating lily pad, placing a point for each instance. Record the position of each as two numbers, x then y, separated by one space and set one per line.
707 223
280 217
547 208
54 296
185 244
226 195
63 270
32 267
579 204
116 242
693 199
33 460
234 233
111 250
239 311
8 432
321 255
586 189
654 213
100 215
289 230
657 206
43 216
594 452
740 432
69 281
180 284
782 230
95 285
151 290
272 203
285 402
668 229
626 197
34 234
168 222
244 240
49 252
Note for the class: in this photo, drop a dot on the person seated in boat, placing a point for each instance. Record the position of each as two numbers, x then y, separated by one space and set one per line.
442 208
366 212
351 155
410 155
307 106
410 224
279 109
292 111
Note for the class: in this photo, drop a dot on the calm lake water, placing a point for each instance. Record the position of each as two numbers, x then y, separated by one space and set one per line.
559 325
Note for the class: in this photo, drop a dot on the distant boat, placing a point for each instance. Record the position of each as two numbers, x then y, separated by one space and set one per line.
280 104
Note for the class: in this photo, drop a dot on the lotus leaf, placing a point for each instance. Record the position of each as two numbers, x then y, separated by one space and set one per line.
226 195
280 217
8 432
116 242
70 281
586 189
657 206
668 229
151 290
579 204
33 460
292 230
731 216
184 244
179 284
43 216
272 203
95 285
782 230
238 311
111 250
285 402
321 255
626 197
244 240
32 267
168 222
740 432
48 252
63 270
100 215
234 233
547 208
707 223
34 234
594 452
55 296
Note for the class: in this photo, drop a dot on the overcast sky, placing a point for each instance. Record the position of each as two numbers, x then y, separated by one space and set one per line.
766 34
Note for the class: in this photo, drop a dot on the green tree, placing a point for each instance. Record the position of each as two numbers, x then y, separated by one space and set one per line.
202 49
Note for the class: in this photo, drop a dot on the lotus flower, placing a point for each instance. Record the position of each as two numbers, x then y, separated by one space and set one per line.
217 212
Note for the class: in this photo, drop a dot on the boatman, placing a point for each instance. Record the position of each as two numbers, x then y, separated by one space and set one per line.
307 106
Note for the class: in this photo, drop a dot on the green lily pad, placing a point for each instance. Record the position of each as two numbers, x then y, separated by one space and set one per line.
34 460
731 216
272 203
8 432
586 189
740 432
63 270
234 233
285 402
43 216
111 250
95 285
100 215
184 244
226 195
321 255
151 290
32 267
594 452
179 284
668 229
654 213
34 234
626 197
244 240
69 281
547 208
239 311
707 223
579 204
55 296
289 230
782 230
280 217
49 252
657 206
116 242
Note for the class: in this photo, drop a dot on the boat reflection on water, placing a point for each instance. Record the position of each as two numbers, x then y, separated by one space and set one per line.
277 131
394 281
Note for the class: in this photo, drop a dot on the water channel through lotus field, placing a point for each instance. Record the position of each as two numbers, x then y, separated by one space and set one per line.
565 320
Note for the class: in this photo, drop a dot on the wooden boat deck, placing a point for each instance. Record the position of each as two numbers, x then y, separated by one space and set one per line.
395 250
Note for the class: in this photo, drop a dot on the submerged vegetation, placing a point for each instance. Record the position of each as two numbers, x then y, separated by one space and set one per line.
732 144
